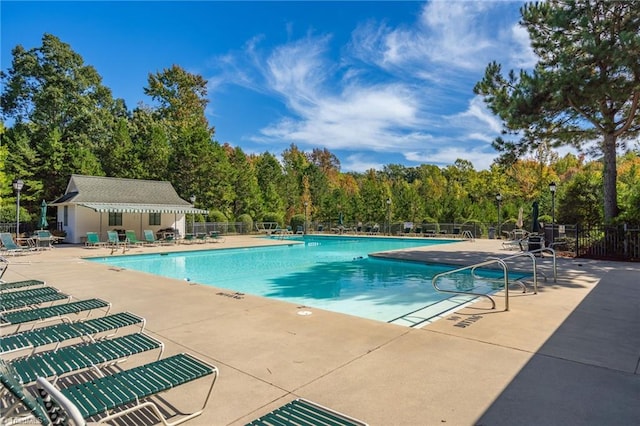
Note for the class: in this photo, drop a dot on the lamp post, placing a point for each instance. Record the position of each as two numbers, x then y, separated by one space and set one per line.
17 186
552 188
305 217
389 215
193 216
499 199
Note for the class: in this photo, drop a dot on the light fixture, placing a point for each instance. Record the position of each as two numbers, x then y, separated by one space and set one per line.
193 216
18 184
499 198
552 188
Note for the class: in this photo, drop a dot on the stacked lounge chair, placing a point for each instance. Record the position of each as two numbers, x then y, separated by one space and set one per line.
102 397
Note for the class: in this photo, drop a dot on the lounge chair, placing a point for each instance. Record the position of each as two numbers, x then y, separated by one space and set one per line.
95 355
52 312
44 240
87 330
20 284
31 297
133 239
10 247
303 412
25 408
150 238
5 265
216 237
408 226
113 239
93 240
126 391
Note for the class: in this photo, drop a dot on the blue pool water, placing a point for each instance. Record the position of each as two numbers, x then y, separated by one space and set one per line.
332 273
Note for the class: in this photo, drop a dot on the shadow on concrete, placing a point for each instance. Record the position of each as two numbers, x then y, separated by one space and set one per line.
587 373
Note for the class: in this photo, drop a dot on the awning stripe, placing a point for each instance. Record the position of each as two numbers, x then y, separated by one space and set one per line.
142 208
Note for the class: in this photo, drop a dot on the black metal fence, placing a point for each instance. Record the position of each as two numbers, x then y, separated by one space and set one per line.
610 242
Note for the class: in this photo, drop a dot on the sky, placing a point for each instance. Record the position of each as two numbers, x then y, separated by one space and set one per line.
375 83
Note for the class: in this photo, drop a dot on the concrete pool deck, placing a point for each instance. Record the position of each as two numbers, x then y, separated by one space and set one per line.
568 355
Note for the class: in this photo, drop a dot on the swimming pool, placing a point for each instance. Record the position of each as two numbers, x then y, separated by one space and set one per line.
332 273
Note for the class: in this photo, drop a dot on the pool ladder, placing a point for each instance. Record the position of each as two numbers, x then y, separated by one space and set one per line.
501 262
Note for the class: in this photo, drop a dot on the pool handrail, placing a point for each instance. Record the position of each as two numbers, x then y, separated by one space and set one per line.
535 268
500 262
555 263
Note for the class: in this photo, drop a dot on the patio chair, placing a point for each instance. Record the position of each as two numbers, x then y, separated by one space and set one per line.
216 237
133 239
24 408
10 247
150 238
29 298
44 240
87 330
408 226
52 312
5 265
303 412
113 239
93 355
126 391
93 240
20 284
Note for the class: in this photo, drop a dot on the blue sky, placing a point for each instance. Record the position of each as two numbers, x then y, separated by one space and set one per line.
375 83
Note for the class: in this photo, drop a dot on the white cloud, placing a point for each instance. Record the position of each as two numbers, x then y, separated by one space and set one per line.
405 90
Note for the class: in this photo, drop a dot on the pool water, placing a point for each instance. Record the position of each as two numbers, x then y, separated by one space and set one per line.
332 273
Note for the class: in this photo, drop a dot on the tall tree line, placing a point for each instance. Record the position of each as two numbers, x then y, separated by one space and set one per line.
63 120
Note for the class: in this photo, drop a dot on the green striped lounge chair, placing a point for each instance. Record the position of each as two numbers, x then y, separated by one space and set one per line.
59 312
96 355
14 285
302 412
87 330
110 397
30 297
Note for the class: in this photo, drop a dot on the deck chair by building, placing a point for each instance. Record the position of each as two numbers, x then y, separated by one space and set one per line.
113 239
132 239
59 312
44 240
150 238
10 247
93 240
87 330
127 391
302 412
95 355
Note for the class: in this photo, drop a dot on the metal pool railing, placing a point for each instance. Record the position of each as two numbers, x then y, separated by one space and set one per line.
500 262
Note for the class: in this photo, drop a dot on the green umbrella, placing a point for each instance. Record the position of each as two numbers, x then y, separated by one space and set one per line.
43 215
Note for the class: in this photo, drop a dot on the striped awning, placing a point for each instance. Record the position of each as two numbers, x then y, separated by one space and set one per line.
142 208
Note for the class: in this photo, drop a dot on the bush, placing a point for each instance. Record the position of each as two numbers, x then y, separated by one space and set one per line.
217 216
247 223
273 217
297 220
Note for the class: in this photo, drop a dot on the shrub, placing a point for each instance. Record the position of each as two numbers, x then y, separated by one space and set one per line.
247 223
273 217
217 216
297 220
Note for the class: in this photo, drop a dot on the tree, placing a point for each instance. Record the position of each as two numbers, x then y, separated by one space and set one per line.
584 86
62 109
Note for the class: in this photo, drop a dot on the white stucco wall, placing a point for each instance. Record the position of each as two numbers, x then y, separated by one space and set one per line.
82 220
